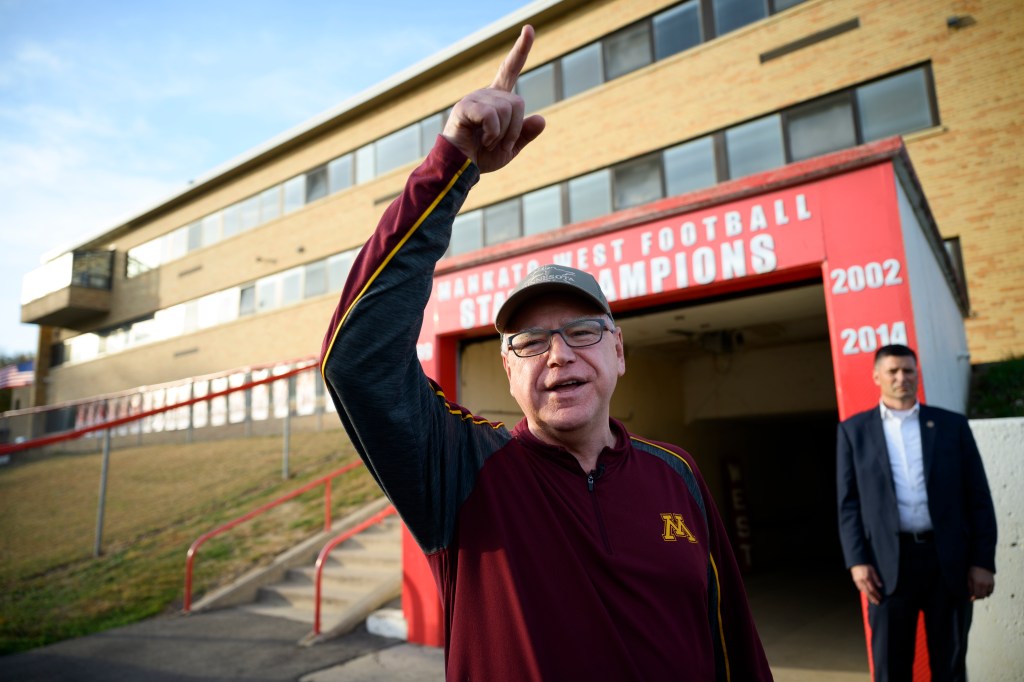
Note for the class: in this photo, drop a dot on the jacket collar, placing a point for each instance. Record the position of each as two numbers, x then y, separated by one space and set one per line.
610 457
886 410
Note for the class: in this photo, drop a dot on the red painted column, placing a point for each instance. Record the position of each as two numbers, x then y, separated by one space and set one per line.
421 604
867 296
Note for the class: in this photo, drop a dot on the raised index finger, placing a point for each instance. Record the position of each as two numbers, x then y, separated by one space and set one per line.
508 72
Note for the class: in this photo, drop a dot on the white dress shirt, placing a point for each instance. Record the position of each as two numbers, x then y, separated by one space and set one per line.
903 439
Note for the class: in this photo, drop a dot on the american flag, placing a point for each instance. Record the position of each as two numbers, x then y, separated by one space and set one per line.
15 376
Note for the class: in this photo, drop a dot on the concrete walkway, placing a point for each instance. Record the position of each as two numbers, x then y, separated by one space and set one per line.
233 644
811 634
229 644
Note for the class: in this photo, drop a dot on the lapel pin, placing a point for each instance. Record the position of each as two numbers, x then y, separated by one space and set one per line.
930 424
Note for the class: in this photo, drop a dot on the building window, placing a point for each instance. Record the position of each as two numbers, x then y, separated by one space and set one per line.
956 258
247 300
730 15
467 233
232 220
316 279
820 127
176 244
195 236
779 5
116 340
316 184
501 222
638 182
896 105
270 203
755 146
83 347
677 29
146 331
628 50
291 286
364 164
397 149
690 166
582 70
542 210
167 323
338 267
430 128
217 308
250 213
57 354
340 173
143 258
267 293
590 196
211 229
538 88
294 194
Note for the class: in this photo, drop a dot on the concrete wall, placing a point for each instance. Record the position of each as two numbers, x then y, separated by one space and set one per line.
941 338
996 649
764 381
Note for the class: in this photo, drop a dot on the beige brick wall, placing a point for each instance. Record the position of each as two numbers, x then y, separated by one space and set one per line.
970 166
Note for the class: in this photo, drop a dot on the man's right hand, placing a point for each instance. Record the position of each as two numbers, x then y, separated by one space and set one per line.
867 581
488 125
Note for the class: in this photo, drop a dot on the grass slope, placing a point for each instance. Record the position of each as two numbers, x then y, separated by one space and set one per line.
159 500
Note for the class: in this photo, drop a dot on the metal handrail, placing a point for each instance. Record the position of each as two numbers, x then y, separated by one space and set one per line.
321 559
325 481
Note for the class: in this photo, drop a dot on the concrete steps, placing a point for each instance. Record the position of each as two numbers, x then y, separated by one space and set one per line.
360 575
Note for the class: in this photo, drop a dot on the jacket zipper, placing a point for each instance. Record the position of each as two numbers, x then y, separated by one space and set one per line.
592 477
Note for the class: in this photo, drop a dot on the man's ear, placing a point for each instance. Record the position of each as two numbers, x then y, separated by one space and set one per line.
508 370
620 351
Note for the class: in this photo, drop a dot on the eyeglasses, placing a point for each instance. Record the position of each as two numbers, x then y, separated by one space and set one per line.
578 334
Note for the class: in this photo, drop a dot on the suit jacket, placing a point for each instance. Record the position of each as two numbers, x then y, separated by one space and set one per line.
959 500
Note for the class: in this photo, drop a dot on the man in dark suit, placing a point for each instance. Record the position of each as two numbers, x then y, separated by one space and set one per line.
916 522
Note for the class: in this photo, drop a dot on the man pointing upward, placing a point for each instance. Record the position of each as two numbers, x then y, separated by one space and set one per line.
565 548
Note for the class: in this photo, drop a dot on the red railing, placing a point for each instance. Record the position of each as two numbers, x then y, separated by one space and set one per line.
321 559
325 481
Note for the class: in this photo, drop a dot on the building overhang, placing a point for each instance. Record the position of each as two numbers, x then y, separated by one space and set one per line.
890 151
73 307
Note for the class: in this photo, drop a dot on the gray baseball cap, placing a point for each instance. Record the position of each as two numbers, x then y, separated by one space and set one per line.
549 279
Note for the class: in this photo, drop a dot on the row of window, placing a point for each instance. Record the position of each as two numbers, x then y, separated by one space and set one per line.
657 37
898 104
662 35
399 148
895 105
267 293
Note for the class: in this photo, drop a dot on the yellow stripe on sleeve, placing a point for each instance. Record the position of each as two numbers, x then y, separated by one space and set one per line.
721 627
390 256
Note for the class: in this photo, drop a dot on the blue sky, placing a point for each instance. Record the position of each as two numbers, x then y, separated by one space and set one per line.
109 106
